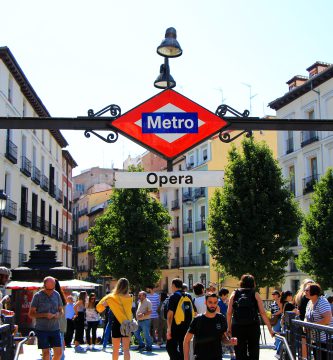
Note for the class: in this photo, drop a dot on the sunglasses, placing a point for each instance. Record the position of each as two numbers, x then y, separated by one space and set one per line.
307 290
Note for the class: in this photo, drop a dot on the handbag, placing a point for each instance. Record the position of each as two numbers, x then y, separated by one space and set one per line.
127 326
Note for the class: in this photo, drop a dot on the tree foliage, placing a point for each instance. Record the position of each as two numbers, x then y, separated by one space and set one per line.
254 218
316 257
130 239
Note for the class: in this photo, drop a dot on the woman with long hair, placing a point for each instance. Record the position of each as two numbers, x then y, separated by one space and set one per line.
120 303
301 300
243 319
62 319
92 318
80 309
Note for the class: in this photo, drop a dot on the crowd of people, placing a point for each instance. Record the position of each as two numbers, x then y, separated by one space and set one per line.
200 327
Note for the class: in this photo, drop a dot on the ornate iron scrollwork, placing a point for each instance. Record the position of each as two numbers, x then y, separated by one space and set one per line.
115 112
225 135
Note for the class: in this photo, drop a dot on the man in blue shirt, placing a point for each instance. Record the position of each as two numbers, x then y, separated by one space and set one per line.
69 314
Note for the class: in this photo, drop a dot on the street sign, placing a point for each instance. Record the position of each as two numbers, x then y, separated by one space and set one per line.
169 124
173 179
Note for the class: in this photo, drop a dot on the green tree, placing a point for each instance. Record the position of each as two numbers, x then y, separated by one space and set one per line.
253 219
130 239
316 257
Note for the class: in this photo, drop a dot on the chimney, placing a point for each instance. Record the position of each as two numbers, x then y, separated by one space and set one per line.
297 80
317 68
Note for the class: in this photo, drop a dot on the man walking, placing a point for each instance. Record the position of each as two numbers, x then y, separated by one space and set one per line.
154 317
176 330
208 330
143 316
69 314
46 308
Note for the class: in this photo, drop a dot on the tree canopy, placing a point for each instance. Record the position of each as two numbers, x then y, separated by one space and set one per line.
130 239
316 257
253 219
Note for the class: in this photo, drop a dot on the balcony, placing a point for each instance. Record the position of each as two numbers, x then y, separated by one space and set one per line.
83 229
54 232
199 192
45 227
292 266
25 166
200 225
289 145
175 233
187 196
175 204
11 151
36 223
6 258
22 259
52 190
58 195
60 235
26 218
83 212
11 210
198 260
35 175
44 183
309 182
187 228
308 137
175 263
83 248
292 186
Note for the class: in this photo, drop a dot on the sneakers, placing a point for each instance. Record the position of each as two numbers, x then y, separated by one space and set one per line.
80 349
140 347
148 348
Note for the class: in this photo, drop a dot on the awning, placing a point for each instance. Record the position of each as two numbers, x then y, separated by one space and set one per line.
66 284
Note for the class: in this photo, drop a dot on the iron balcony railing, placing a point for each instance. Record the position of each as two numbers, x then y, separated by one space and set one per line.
35 177
52 190
187 227
45 227
292 186
309 182
200 225
197 260
25 166
83 212
175 204
54 231
6 258
36 222
22 258
11 151
289 145
58 196
11 210
199 192
60 234
175 263
187 196
44 183
175 233
83 229
26 218
308 137
83 248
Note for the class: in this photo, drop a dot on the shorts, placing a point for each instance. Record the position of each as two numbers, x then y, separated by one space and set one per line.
48 339
116 329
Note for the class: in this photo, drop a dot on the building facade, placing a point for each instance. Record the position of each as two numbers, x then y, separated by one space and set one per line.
304 156
31 173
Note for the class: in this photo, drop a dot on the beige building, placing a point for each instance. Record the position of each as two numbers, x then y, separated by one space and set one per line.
304 156
34 173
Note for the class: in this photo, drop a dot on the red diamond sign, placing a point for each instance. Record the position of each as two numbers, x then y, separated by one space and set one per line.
169 124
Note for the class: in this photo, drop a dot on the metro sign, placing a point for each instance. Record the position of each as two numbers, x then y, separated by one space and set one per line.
169 124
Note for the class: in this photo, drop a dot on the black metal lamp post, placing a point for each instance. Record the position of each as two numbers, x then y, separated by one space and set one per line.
169 48
3 203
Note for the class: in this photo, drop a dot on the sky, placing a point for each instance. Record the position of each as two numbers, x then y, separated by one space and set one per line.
83 54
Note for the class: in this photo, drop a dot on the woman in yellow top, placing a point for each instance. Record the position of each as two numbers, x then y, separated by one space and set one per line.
120 303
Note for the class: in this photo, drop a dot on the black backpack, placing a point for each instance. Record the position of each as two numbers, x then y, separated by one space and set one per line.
245 307
165 308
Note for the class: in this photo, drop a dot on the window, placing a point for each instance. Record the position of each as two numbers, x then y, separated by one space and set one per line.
50 144
205 155
189 217
10 90
290 142
190 281
32 244
292 183
8 184
313 167
43 136
203 280
190 248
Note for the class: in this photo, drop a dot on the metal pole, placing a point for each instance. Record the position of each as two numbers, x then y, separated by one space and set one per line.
167 69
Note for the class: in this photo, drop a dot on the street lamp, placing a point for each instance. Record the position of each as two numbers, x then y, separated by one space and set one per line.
3 203
169 48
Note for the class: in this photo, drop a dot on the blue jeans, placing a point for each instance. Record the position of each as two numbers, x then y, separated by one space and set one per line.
107 333
277 328
144 326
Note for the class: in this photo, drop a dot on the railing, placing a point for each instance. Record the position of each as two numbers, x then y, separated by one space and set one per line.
58 195
292 267
82 268
45 227
26 218
175 233
22 258
60 234
11 151
175 204
6 342
199 192
44 183
52 190
6 258
83 212
54 231
25 166
198 260
292 186
36 223
83 248
309 182
83 229
175 263
187 196
200 225
35 175
11 210
308 137
187 228
289 145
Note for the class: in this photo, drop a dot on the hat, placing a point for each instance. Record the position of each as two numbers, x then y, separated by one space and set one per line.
276 292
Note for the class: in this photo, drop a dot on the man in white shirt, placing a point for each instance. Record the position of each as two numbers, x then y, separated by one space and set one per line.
199 300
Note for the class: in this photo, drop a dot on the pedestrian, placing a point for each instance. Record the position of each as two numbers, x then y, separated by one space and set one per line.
162 323
4 277
69 315
154 298
330 300
318 311
199 300
301 300
286 303
243 319
46 307
80 312
176 330
208 329
92 319
62 319
143 314
120 302
276 313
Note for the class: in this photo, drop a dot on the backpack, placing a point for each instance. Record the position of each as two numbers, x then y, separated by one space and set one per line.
245 307
165 308
184 312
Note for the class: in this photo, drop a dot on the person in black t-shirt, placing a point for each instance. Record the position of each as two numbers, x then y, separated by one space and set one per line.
208 330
